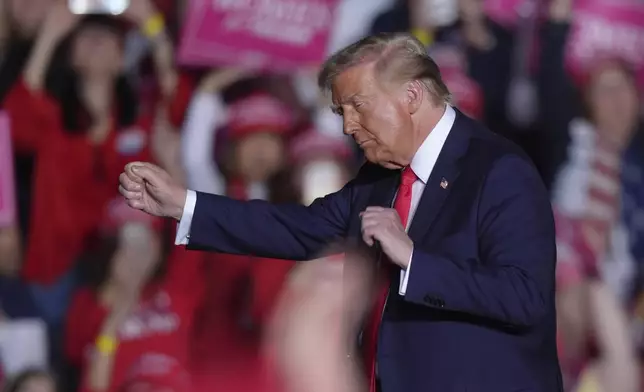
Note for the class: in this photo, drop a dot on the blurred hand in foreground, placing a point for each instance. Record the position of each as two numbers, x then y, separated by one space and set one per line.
314 333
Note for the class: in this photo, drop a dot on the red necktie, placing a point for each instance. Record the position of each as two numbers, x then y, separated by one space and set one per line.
402 204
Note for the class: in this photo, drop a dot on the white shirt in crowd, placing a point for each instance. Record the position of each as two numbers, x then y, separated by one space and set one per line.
206 114
422 164
23 345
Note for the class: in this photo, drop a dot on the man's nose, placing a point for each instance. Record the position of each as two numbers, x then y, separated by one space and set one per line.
350 128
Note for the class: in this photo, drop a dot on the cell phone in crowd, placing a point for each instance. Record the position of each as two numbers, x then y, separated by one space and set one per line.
109 7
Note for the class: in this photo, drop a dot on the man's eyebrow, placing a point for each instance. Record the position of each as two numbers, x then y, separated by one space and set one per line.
355 96
350 98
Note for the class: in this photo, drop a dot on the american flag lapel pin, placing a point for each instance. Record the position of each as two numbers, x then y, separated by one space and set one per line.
444 183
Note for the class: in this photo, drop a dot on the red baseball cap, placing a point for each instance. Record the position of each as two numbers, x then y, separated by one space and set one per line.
259 112
312 144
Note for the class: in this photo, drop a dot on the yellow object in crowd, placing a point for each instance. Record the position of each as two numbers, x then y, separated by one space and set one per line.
588 382
153 26
424 36
106 345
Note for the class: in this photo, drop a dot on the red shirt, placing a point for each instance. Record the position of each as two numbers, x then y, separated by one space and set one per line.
149 95
181 99
74 179
162 323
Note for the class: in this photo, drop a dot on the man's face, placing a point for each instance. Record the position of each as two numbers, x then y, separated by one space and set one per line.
27 15
374 114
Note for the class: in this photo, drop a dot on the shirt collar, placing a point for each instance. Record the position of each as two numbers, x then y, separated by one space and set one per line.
427 155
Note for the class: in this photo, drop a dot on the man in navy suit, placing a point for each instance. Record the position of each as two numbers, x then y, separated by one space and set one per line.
458 218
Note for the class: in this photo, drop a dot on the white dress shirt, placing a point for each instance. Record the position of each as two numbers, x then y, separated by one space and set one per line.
422 164
23 345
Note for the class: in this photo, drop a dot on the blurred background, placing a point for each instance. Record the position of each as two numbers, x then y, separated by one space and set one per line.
223 95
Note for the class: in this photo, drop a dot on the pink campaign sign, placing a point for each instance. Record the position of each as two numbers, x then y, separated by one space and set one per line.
277 35
607 28
7 196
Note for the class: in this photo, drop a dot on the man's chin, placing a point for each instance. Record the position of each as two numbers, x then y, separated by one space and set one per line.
373 158
390 165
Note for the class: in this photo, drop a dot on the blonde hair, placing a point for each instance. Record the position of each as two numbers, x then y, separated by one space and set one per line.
397 57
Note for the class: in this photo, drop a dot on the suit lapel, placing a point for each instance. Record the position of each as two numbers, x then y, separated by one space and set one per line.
440 183
434 195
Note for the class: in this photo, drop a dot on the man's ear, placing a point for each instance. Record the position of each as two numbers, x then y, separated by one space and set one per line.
414 95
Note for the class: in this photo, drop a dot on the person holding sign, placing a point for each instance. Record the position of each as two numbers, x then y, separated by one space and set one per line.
87 129
598 241
457 219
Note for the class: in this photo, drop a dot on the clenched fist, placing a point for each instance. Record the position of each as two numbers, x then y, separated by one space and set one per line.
151 189
384 226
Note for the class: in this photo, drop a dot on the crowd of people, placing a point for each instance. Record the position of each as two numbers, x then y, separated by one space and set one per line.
95 297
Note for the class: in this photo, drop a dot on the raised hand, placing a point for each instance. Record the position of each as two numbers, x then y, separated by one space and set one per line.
221 78
139 11
560 10
471 10
151 189
59 21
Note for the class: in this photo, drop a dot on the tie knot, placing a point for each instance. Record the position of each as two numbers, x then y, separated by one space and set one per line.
408 177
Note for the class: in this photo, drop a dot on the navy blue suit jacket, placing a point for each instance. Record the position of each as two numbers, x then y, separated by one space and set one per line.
479 310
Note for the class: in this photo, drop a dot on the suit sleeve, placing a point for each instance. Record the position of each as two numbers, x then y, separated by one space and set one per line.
259 228
512 280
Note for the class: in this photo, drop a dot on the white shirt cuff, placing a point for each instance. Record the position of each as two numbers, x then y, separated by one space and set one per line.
404 276
183 227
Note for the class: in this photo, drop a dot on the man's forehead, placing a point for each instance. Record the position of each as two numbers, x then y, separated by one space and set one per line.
352 82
